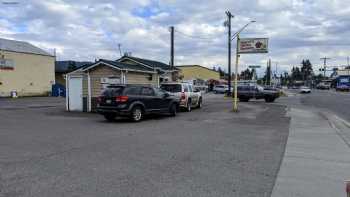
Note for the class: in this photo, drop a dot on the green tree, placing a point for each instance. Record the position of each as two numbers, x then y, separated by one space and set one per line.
296 74
246 75
267 77
221 72
306 70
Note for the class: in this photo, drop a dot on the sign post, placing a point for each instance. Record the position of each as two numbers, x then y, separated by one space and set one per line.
247 46
235 107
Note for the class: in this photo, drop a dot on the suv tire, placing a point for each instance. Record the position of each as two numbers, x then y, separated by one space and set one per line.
110 117
189 106
269 99
173 109
136 114
200 102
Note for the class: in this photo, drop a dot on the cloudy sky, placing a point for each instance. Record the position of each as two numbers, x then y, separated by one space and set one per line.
88 29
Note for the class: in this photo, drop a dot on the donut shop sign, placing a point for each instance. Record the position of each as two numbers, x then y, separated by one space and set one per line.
6 64
253 45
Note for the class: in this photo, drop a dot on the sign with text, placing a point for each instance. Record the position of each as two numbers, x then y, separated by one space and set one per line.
6 64
254 66
253 45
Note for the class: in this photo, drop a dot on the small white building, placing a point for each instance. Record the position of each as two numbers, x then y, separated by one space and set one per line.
86 84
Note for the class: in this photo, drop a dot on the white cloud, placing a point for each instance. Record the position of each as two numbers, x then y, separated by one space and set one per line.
86 29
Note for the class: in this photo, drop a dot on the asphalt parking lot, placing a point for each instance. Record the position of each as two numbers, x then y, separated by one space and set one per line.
45 151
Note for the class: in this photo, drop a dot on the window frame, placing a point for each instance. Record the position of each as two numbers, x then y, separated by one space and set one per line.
142 94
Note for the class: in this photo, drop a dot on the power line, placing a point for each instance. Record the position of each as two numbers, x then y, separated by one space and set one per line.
196 37
324 65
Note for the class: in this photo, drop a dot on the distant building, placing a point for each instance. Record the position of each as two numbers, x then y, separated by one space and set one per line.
343 72
342 79
25 69
192 72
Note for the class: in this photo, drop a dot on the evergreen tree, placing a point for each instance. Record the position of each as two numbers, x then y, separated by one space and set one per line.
267 77
246 75
306 70
221 72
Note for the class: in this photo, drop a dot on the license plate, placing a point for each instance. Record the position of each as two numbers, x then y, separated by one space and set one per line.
108 101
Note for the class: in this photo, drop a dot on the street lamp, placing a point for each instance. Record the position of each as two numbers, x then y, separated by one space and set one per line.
235 108
240 30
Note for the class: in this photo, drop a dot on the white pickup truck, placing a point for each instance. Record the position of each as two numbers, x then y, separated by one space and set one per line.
184 91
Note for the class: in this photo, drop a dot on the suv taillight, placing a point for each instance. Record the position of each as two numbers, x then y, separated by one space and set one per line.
121 99
183 96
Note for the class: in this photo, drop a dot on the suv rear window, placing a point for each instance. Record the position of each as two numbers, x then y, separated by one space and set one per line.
112 92
171 87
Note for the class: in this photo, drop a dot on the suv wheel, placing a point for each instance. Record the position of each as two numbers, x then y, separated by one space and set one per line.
136 114
189 106
173 109
110 117
200 103
269 99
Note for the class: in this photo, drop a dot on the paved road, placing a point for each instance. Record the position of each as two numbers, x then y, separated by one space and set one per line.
45 151
326 102
336 102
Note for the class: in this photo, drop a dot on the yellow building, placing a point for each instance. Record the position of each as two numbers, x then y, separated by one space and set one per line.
191 72
25 69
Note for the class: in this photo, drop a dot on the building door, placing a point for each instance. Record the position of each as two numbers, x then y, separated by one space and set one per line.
75 94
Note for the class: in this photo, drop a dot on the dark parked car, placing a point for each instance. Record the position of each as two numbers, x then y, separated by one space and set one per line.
247 92
135 101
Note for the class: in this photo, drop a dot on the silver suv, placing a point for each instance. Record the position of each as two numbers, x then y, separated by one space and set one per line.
189 98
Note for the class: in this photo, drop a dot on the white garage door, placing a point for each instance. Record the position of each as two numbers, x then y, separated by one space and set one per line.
75 94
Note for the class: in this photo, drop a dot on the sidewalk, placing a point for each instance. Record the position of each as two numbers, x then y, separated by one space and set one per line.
317 158
31 102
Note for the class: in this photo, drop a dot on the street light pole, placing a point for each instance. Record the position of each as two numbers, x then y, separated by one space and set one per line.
235 107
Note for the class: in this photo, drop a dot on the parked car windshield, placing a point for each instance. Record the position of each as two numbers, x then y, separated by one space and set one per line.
113 91
171 87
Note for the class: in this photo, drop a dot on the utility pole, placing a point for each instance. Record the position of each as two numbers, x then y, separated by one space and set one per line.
228 24
120 50
348 67
270 71
54 53
324 65
172 46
